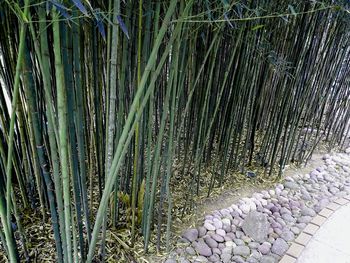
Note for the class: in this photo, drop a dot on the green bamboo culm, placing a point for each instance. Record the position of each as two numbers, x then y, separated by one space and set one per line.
125 113
6 216
126 130
63 129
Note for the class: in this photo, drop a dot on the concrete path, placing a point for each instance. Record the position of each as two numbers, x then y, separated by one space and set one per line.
331 243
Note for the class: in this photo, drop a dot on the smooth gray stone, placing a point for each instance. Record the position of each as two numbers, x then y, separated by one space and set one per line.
241 251
256 226
201 259
291 185
190 234
214 258
202 231
287 235
202 248
211 242
279 247
264 248
306 211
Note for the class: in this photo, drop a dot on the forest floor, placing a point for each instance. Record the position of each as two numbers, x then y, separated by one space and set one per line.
41 245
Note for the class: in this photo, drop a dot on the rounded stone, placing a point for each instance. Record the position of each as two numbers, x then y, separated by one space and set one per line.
279 247
214 258
227 250
217 251
241 251
190 251
226 221
230 244
239 234
288 218
226 227
287 235
304 219
202 248
201 259
264 248
225 258
238 242
285 211
233 228
210 242
306 211
217 238
245 208
221 232
217 223
209 226
278 231
190 234
201 231
253 245
255 254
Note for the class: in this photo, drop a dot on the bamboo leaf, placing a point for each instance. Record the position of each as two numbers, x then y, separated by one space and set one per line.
80 6
257 27
61 9
122 26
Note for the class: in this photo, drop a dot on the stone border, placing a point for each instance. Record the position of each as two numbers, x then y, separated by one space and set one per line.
298 245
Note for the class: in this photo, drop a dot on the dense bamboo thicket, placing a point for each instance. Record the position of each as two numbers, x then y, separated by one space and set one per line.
100 100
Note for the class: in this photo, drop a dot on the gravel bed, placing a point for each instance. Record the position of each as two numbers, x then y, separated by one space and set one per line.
261 227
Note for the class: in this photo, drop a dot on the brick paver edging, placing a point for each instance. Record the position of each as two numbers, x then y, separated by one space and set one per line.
304 237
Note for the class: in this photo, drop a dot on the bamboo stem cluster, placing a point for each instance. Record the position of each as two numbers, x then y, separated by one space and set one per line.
92 124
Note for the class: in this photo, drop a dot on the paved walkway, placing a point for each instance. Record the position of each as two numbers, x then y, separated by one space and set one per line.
331 243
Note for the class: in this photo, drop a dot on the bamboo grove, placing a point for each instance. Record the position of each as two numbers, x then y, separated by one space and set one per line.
99 100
